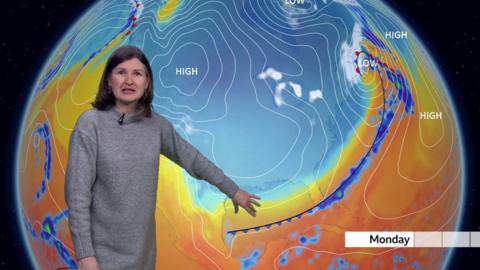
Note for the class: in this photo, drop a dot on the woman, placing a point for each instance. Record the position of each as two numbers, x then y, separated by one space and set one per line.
112 170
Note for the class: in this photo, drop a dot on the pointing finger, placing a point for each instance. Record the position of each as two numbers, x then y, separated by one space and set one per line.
250 211
255 202
255 196
250 206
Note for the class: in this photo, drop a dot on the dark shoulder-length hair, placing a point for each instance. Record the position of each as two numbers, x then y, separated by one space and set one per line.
105 98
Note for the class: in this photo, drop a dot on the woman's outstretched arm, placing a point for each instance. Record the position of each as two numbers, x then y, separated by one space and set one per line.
188 157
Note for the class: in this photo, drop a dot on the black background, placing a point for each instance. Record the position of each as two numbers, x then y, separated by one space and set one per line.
31 29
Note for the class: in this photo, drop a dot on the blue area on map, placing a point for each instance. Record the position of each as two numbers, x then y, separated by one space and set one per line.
124 27
416 265
54 70
398 259
250 261
49 236
367 31
339 263
43 132
283 260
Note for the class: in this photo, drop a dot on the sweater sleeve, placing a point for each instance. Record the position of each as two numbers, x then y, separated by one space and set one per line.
79 178
188 157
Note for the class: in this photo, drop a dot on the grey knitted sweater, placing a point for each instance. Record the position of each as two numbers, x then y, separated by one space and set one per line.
111 184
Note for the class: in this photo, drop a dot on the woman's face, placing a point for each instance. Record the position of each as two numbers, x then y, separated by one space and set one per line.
128 81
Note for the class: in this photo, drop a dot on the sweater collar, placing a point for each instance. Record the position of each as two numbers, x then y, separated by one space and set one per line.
127 117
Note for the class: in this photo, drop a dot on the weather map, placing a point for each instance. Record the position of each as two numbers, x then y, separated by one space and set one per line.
333 112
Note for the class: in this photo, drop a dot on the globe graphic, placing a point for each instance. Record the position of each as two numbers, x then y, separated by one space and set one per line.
332 111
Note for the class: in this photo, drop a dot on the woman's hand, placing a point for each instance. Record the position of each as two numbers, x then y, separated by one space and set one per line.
245 200
88 263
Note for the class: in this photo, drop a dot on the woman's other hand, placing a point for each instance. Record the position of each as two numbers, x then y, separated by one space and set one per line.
88 263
